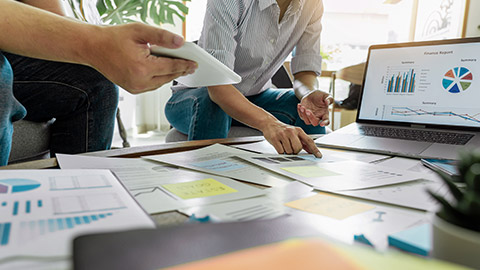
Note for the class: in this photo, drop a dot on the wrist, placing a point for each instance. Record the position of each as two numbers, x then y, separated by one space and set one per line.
267 122
92 45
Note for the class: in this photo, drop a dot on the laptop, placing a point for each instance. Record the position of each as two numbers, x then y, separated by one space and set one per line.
418 99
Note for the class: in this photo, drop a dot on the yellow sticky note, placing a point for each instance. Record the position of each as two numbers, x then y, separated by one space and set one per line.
199 189
310 171
330 206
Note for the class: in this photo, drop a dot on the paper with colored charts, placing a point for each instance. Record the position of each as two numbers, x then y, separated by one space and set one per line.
222 160
160 187
332 176
329 155
42 211
264 207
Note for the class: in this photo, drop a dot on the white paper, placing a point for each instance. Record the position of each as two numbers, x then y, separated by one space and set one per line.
329 155
265 207
411 194
145 180
332 176
222 160
409 164
376 224
42 211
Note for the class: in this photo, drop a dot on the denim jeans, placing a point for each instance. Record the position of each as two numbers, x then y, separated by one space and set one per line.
10 109
82 101
192 112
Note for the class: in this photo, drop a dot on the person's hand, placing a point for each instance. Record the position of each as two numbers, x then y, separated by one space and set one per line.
122 54
313 108
289 139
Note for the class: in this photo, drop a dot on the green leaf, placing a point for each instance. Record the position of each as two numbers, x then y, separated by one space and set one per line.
144 11
179 5
110 5
101 7
456 192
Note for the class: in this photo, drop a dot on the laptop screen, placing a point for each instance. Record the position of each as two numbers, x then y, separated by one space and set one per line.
434 83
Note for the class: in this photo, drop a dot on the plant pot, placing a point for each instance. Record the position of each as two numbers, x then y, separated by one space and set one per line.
455 244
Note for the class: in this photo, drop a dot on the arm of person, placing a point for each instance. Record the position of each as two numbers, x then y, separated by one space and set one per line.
54 6
306 66
285 138
121 53
313 106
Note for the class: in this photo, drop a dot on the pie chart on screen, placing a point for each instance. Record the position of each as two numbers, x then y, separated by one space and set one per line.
457 80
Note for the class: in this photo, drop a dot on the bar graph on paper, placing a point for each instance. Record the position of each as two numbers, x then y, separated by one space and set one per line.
29 230
20 207
417 112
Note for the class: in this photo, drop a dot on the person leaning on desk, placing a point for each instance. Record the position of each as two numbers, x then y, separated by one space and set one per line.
88 99
254 38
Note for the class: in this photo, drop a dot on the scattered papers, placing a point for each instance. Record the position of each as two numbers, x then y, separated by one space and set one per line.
199 189
330 206
411 194
383 221
264 207
329 155
42 211
332 176
222 160
161 188
409 164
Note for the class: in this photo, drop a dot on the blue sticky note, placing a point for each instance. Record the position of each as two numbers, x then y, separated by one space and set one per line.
415 239
218 165
362 239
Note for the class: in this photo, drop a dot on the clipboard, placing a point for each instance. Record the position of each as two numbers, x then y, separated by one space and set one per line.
210 70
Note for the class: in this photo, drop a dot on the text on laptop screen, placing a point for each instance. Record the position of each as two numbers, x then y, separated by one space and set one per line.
434 84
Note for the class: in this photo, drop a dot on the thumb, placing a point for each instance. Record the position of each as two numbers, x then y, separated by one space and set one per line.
160 37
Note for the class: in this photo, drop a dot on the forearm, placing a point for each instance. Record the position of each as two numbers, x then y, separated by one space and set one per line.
239 107
309 81
37 33
54 6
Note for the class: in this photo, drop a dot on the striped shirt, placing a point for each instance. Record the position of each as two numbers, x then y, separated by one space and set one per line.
247 37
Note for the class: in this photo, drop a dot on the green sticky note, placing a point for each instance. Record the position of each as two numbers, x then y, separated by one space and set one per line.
310 171
199 189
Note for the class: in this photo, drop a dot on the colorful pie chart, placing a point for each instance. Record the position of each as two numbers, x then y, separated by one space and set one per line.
14 185
457 79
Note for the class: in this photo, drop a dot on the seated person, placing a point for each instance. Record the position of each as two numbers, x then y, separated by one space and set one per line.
254 38
79 94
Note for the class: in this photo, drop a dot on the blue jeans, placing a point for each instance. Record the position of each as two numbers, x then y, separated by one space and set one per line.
10 109
82 101
192 112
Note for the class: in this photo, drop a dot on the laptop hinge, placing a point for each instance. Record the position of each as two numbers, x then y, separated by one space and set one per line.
418 126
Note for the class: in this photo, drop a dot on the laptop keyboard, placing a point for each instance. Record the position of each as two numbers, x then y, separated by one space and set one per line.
418 135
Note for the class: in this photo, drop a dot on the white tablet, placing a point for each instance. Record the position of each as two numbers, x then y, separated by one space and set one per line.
210 71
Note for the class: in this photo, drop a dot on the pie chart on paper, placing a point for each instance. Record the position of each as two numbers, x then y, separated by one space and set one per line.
15 185
457 80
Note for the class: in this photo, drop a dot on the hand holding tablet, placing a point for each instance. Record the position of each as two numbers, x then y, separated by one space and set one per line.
210 71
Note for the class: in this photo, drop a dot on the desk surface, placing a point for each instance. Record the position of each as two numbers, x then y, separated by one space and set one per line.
173 217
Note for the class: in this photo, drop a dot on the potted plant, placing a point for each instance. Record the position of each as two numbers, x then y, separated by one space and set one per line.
122 11
456 227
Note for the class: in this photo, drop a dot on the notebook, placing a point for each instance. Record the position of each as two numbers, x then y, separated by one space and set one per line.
418 99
